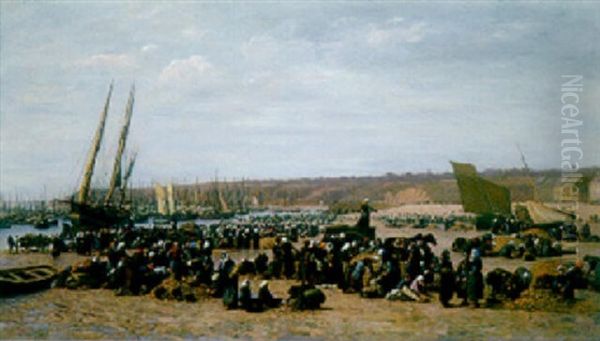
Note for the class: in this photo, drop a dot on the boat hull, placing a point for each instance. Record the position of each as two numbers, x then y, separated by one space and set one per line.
29 279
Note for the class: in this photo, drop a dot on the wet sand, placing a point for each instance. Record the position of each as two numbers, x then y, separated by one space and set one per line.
68 314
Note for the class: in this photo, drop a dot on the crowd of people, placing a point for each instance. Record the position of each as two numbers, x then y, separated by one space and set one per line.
404 268
424 220
136 260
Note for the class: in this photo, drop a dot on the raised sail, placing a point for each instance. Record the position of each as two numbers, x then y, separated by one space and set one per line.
115 180
84 188
479 195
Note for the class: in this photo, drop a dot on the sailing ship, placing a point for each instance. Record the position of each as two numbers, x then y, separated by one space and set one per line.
87 214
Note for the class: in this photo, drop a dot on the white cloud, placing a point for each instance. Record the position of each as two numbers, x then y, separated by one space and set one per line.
188 69
393 32
108 60
265 50
192 33
148 48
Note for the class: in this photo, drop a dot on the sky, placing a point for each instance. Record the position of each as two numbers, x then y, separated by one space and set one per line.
290 89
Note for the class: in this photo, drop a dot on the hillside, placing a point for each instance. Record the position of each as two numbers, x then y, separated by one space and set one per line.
387 190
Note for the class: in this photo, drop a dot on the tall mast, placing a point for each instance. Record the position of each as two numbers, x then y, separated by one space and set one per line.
528 170
126 177
115 180
84 188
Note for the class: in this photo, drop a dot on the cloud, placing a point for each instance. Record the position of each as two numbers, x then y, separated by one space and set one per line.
188 69
265 50
148 48
108 60
394 32
192 33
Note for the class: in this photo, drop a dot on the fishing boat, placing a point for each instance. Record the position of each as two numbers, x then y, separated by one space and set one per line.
87 214
27 279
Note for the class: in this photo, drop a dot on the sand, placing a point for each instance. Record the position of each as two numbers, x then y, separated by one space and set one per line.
100 314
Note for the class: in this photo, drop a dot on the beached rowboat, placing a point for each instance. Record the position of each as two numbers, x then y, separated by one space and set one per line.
27 279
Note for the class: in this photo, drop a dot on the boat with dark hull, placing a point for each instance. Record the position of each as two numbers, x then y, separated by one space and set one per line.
95 217
25 280
110 212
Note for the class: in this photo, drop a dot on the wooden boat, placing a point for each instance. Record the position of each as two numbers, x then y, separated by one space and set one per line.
26 279
84 212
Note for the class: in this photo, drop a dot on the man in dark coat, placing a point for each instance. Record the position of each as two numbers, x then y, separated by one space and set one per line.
365 215
475 279
246 295
447 279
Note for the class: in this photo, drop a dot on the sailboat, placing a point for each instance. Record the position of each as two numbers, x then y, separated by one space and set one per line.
90 215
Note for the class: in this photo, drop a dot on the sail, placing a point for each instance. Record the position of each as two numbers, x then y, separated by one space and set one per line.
161 202
84 188
115 180
479 195
541 214
170 199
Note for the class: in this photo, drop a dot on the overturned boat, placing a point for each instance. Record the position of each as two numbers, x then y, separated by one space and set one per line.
27 279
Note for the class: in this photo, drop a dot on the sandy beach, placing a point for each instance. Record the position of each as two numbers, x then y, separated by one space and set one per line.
100 314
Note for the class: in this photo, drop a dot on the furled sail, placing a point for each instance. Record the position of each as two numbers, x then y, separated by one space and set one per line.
161 201
541 214
170 199
115 180
479 195
126 177
84 188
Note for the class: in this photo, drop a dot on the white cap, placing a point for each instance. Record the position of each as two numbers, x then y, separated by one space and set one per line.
420 278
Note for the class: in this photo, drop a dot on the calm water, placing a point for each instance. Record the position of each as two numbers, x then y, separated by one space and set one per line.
21 230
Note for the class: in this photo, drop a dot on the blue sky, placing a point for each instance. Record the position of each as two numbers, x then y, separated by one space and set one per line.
281 90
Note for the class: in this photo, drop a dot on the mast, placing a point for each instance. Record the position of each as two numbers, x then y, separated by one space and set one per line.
222 201
126 177
84 188
528 170
115 180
